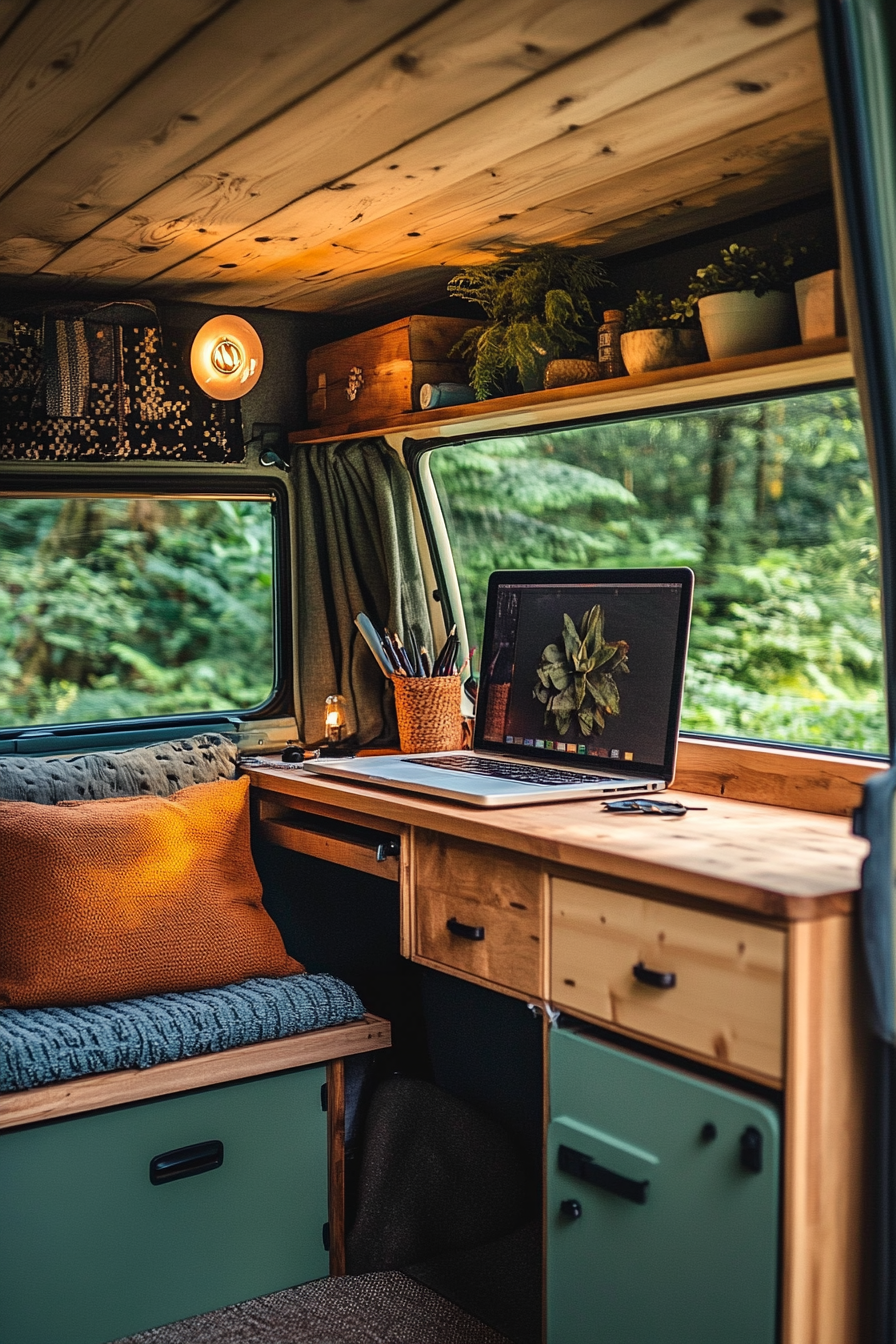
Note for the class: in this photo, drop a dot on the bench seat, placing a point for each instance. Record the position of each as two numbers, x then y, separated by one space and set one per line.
52 1045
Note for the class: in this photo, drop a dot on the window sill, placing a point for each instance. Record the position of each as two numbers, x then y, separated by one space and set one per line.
812 781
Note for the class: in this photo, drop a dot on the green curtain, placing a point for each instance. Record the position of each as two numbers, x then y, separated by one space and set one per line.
356 552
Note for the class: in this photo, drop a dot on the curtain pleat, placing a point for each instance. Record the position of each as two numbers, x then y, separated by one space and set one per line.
356 552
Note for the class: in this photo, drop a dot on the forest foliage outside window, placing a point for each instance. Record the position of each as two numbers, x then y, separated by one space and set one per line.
127 608
771 505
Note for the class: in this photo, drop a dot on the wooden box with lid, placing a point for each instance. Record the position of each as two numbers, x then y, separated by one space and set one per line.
367 378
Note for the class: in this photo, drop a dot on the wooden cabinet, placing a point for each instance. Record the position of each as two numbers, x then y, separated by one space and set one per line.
759 935
708 984
478 912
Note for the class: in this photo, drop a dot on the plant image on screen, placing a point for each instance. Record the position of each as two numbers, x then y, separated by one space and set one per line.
579 679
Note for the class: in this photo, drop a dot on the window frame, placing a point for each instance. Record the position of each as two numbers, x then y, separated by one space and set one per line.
757 757
183 483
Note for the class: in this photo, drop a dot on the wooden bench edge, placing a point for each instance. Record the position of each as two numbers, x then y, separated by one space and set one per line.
99 1090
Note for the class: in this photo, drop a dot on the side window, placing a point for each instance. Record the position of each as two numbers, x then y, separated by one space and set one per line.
769 502
123 608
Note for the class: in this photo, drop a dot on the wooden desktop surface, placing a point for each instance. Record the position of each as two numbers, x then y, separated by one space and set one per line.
776 861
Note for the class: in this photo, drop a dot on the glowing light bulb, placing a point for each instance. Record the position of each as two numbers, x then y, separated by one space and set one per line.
334 718
227 357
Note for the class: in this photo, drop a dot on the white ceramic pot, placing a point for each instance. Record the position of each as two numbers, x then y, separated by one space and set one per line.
742 324
661 348
819 302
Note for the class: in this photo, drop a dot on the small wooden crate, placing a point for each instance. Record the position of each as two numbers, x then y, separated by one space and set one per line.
394 362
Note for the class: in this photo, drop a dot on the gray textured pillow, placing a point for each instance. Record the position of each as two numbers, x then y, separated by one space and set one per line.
160 769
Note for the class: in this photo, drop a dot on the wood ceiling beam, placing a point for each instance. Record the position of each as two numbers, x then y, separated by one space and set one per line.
466 55
689 117
733 164
542 120
775 183
63 63
258 57
10 10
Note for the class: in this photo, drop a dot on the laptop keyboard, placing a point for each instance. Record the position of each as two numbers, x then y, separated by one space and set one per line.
517 772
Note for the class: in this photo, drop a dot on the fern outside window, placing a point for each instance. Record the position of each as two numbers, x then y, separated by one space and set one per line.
769 502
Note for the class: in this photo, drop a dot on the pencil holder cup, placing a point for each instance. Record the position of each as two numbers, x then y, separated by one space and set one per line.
428 711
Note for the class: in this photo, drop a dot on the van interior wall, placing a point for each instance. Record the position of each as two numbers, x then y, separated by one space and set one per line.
278 397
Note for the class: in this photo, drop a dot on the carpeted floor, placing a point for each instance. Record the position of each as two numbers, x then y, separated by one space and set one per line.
386 1308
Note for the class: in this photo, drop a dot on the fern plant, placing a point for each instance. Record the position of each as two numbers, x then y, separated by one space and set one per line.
538 305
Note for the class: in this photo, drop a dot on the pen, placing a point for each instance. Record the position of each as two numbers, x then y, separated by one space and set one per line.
404 656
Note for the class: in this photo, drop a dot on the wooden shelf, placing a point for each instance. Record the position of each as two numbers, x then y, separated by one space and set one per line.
767 371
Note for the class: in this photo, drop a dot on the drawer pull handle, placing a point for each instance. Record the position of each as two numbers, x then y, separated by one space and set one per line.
583 1166
658 979
751 1149
475 932
181 1162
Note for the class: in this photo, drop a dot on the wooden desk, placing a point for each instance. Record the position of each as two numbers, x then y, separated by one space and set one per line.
758 899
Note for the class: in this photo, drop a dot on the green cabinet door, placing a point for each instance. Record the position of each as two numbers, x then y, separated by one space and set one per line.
91 1249
662 1195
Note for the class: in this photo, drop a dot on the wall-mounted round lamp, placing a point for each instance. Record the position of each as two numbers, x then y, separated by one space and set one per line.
227 357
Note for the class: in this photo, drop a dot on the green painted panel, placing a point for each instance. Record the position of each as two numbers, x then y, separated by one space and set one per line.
90 1250
696 1263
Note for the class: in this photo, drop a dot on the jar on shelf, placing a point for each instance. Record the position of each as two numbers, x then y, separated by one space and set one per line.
609 350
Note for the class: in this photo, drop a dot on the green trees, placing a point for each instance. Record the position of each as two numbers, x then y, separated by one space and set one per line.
770 504
118 608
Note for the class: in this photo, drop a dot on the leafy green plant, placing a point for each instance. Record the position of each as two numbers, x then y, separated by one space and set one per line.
579 680
538 305
650 311
742 269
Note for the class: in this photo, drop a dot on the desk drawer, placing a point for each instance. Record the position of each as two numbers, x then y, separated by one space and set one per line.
493 904
725 993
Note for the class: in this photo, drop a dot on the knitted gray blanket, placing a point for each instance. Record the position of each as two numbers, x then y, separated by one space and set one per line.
52 1045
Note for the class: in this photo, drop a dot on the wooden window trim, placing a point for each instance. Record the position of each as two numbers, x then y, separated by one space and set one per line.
814 781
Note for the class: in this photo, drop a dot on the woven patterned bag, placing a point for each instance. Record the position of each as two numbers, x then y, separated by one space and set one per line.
428 710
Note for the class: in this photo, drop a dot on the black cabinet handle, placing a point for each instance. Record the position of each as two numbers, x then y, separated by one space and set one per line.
181 1162
388 849
583 1166
571 1209
751 1149
657 979
475 932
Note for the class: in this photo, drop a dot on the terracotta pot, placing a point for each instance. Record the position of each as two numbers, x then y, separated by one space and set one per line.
565 372
662 348
741 324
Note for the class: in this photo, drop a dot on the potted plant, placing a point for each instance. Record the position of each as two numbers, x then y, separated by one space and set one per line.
745 300
659 335
538 304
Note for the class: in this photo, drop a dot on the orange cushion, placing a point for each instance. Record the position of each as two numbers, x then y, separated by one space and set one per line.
119 897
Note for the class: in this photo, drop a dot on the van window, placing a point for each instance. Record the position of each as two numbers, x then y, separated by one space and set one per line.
769 502
119 608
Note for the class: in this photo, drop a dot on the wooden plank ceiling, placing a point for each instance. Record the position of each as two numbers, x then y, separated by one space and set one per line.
330 157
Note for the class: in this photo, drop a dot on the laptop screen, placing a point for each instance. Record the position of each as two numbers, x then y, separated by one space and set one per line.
586 664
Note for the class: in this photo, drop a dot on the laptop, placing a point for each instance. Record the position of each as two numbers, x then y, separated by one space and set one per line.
582 674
